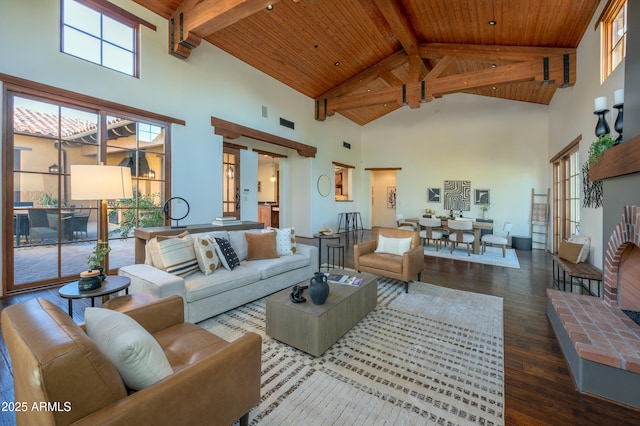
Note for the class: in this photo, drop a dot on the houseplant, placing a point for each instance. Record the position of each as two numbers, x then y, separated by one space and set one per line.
92 278
603 143
485 208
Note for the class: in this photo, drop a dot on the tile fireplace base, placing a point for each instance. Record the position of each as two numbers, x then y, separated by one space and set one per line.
600 343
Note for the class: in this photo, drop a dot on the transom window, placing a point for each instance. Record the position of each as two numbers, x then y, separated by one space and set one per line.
98 37
614 32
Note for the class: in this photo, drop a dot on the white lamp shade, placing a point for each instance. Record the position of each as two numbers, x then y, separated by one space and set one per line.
93 182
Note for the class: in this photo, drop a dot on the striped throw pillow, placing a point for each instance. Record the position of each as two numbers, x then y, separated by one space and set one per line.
178 256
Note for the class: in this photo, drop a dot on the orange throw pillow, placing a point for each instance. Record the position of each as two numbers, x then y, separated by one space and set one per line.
569 251
261 246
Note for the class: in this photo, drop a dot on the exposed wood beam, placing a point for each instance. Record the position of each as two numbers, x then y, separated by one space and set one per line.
399 24
195 19
556 73
490 52
231 130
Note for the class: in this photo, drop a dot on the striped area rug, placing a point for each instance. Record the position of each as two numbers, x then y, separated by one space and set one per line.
432 356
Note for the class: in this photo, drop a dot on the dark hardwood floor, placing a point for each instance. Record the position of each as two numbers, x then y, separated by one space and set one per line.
539 389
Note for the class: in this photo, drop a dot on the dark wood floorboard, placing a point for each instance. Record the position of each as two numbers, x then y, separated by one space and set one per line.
539 389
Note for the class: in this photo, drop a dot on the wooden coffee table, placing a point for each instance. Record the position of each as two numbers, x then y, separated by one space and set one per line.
314 328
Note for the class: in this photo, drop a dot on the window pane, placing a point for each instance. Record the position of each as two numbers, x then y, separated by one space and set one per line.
81 45
116 58
116 33
82 18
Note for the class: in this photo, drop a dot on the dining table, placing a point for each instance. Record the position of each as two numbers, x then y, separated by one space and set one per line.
477 229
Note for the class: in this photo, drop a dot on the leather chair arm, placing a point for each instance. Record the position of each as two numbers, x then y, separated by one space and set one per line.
412 262
218 389
362 249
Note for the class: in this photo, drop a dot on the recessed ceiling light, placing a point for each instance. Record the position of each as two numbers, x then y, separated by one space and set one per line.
336 63
493 65
494 88
492 22
270 7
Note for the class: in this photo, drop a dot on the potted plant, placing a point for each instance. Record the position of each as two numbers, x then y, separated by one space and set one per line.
485 208
92 278
603 143
47 199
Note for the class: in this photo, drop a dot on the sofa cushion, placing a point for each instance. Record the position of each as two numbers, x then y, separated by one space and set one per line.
226 253
393 245
198 286
261 246
152 250
206 255
239 242
382 261
271 267
137 356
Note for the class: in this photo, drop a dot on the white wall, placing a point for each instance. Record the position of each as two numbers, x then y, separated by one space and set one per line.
571 115
497 144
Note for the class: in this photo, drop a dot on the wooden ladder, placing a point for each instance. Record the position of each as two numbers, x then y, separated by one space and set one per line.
539 219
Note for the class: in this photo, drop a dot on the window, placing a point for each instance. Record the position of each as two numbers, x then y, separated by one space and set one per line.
566 194
99 37
614 32
52 233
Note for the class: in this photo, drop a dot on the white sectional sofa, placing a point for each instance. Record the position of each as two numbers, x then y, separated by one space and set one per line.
209 295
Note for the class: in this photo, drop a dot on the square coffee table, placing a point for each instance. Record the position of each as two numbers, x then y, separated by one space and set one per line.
314 328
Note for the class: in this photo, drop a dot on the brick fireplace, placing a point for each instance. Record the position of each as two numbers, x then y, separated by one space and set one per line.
600 343
622 262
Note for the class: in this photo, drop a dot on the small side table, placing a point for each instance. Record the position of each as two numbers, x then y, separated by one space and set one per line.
111 284
321 237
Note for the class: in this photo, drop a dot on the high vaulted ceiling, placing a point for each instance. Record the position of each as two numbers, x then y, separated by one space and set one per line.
366 58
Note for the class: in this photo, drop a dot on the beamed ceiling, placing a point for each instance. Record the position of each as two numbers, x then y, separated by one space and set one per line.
366 58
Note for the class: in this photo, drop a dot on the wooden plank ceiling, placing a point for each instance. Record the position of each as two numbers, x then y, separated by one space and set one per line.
366 58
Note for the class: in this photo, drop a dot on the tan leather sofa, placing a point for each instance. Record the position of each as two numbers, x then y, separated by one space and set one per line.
57 366
403 268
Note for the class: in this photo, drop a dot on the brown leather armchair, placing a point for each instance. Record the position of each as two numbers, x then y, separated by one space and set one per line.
56 364
402 268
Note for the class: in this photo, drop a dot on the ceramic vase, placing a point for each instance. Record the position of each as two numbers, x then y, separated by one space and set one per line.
318 288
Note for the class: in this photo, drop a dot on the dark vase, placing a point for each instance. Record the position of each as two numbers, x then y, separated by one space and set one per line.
318 288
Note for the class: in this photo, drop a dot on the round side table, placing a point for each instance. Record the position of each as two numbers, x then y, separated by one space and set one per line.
111 284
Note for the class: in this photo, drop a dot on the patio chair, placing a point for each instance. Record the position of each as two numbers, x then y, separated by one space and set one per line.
39 230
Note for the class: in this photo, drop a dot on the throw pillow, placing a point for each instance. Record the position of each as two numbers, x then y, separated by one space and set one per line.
586 246
569 251
178 256
136 354
152 251
225 252
393 245
286 241
261 246
205 250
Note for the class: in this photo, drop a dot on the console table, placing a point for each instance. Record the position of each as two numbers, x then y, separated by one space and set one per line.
142 235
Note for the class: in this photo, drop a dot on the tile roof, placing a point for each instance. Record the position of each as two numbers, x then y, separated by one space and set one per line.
42 123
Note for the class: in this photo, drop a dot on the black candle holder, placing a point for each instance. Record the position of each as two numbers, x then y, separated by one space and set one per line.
602 128
619 124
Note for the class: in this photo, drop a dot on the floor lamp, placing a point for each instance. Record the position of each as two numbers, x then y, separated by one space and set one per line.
99 182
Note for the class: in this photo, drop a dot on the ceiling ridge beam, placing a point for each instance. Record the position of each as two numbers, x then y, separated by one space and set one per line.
194 20
554 72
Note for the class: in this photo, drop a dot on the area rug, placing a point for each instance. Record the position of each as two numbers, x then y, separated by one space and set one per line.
432 356
493 255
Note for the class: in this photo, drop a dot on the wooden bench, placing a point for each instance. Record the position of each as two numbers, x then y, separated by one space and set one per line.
583 271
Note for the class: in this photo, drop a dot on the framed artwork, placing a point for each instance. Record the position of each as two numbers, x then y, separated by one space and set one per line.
391 197
482 196
457 195
433 195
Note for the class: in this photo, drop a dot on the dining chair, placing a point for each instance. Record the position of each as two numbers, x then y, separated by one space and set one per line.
402 224
458 235
499 240
432 231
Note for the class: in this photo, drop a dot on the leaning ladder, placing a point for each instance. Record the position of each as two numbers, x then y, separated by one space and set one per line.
539 225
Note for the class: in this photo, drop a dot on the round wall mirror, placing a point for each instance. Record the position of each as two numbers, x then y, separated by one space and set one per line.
324 185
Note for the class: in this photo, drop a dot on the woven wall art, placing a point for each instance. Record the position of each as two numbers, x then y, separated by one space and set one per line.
457 195
592 189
